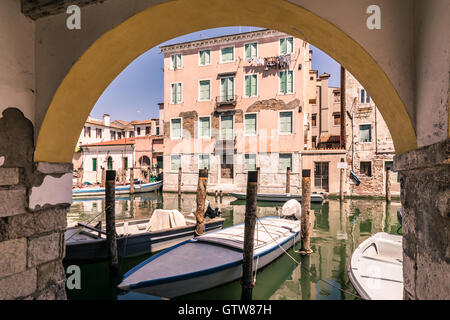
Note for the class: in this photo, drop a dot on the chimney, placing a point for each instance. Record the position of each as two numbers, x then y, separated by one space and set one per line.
106 120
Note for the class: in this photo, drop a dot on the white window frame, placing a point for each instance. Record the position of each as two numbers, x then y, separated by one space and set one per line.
220 127
199 57
234 54
359 129
279 83
256 161
171 93
245 126
201 100
279 126
292 160
279 45
171 66
234 85
181 129
198 128
198 160
365 96
257 83
251 42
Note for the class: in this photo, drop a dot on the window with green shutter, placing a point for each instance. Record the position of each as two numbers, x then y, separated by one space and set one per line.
251 85
177 95
250 124
175 128
286 122
226 125
251 50
227 54
205 57
285 161
250 162
176 61
286 45
204 127
175 162
94 164
205 90
125 163
203 161
286 82
227 89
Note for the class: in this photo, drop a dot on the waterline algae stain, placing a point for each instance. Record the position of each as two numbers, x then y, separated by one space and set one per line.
337 229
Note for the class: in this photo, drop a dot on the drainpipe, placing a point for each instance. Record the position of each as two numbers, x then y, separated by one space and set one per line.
376 132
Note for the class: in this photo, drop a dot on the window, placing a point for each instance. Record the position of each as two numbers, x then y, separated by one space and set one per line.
365 98
250 124
251 50
110 163
203 161
204 90
251 85
226 125
286 45
365 133
227 54
204 57
204 127
175 162
314 142
119 135
125 163
286 82
175 128
175 61
87 131
147 131
130 134
157 131
250 162
227 89
285 122
138 131
337 118
365 167
98 133
176 95
285 161
94 164
314 119
113 135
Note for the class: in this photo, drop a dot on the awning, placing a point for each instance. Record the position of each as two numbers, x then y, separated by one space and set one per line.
227 74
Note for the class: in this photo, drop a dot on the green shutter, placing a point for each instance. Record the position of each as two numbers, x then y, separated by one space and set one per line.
125 163
204 57
248 89
250 124
289 82
94 164
283 78
250 50
290 45
179 93
204 127
227 89
227 127
283 46
227 54
254 90
285 161
174 93
204 90
176 128
285 122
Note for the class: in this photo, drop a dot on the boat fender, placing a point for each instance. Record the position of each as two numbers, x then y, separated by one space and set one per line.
355 178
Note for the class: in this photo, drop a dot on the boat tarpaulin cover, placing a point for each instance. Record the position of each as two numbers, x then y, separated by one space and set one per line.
166 219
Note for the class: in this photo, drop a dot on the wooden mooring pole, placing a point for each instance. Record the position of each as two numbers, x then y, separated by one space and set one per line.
131 180
110 199
306 205
388 184
259 179
288 180
341 184
201 199
249 235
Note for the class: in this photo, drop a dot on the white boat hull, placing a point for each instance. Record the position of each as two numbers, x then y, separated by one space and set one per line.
275 197
96 192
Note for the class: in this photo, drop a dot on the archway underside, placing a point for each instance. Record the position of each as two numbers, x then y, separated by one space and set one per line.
116 49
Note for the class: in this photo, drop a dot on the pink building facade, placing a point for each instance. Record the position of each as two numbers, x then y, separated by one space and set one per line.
232 104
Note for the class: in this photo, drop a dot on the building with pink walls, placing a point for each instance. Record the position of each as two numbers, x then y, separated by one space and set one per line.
232 104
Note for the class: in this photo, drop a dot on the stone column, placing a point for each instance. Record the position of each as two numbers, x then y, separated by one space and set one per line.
424 180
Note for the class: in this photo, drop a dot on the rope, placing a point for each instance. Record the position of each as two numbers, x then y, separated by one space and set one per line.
82 227
301 266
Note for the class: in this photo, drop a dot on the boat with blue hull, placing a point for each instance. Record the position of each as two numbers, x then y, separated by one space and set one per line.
96 191
279 197
210 260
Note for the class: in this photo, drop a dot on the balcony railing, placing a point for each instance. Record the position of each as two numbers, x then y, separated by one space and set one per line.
226 100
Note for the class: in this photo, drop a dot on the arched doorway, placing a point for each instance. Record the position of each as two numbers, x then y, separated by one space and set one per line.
109 163
113 51
144 161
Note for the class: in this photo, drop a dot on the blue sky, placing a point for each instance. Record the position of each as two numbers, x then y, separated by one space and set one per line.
137 90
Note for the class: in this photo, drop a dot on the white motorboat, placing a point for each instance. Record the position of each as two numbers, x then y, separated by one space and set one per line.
279 197
375 268
96 191
210 260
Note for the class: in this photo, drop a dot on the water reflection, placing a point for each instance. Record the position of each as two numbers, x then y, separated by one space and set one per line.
338 228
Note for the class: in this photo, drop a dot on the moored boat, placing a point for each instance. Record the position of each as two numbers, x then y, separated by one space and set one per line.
135 238
96 191
210 260
279 197
375 268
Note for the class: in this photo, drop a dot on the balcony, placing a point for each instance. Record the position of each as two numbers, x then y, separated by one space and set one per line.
228 100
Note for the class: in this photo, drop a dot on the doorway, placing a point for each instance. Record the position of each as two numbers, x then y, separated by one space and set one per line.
321 175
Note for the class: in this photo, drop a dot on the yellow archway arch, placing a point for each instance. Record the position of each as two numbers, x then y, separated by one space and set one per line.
117 48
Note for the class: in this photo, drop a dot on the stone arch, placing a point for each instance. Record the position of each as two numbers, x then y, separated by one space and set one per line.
144 161
118 47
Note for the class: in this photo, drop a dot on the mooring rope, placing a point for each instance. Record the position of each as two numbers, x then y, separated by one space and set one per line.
301 266
81 228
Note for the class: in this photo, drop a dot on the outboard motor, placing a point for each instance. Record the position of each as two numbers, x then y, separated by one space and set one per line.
210 213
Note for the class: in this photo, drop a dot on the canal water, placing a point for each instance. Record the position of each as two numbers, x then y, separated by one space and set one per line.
337 230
